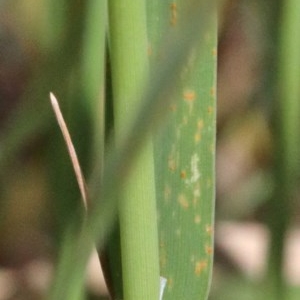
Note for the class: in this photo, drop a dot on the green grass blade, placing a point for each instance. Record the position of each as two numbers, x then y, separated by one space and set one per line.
289 74
185 155
287 140
93 66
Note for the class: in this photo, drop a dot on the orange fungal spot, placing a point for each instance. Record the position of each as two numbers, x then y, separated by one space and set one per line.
172 164
183 201
170 282
208 250
200 266
163 256
213 92
189 95
197 137
149 50
173 7
214 52
195 201
200 124
208 183
197 219
209 229
183 174
167 192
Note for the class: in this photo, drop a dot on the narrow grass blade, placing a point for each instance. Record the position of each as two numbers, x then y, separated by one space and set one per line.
287 141
185 157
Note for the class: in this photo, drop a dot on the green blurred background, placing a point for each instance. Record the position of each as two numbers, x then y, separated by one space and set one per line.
42 49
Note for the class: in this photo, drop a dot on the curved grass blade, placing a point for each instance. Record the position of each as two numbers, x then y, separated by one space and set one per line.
71 150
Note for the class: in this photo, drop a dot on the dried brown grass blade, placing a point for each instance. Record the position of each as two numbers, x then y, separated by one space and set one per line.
71 149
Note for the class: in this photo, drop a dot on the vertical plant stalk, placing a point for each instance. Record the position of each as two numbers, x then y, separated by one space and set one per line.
287 139
137 209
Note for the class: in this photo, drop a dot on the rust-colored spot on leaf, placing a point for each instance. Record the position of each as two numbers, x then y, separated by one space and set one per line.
162 261
163 256
208 183
149 50
197 191
197 137
208 250
213 92
210 109
196 194
183 174
172 164
214 52
173 7
197 219
167 192
182 200
189 95
209 229
200 266
170 283
200 124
